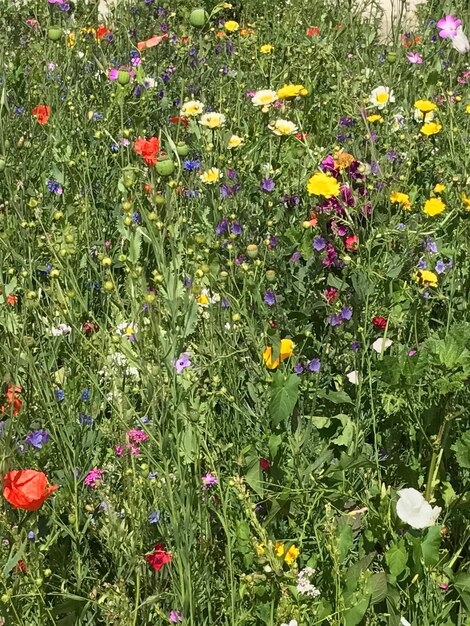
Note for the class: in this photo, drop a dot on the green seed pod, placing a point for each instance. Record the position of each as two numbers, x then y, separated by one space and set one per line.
198 18
54 33
165 166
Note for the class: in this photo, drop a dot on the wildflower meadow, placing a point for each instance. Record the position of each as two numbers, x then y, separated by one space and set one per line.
234 314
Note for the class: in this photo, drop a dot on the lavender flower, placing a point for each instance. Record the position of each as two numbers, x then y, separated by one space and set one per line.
37 438
182 362
209 480
270 298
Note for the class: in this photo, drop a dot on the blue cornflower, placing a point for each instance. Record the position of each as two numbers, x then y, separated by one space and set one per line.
59 394
85 420
154 517
86 395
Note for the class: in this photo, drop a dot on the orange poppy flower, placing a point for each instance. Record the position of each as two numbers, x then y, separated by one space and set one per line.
313 30
41 113
101 32
148 149
151 42
286 350
313 221
12 400
220 34
27 489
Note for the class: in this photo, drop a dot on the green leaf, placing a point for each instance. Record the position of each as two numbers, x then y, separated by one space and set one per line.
337 397
376 585
284 396
396 558
430 546
462 585
253 475
354 615
345 540
13 560
462 450
346 436
135 246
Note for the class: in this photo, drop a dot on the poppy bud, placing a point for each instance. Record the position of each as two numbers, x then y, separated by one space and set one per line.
165 166
198 18
54 33
252 250
182 148
270 276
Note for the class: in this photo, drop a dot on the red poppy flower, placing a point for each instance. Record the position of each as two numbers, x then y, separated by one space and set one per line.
27 489
264 464
331 294
176 120
148 149
379 322
41 113
352 242
101 32
159 557
90 327
313 30
12 400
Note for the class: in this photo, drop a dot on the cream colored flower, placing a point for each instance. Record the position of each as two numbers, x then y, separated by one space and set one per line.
211 176
264 98
283 127
381 96
235 141
212 120
192 108
381 344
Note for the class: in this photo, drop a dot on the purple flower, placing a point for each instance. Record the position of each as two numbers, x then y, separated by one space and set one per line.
448 27
290 202
94 478
209 480
319 243
296 257
346 313
176 616
430 245
314 365
298 368
236 228
440 267
347 121
355 346
182 362
421 265
85 420
267 184
414 58
335 320
221 227
270 298
232 174
37 438
154 517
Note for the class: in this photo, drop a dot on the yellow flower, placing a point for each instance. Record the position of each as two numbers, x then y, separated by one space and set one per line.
260 549
211 176
283 127
264 97
291 554
434 206
374 118
343 159
191 108
430 128
425 106
291 91
212 120
279 548
425 278
466 201
70 40
396 197
232 26
286 350
321 184
235 141
266 48
227 5
439 188
467 108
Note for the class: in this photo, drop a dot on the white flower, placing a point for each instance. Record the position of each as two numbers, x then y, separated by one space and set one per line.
60 330
404 622
293 622
264 97
283 127
126 330
381 344
212 120
460 41
192 108
420 116
353 377
381 96
413 509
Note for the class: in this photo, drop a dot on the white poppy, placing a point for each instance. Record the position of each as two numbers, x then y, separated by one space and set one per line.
353 377
460 41
381 96
381 344
413 509
404 622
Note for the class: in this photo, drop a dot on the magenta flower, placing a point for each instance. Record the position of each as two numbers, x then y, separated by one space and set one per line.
94 477
414 58
209 480
176 616
448 26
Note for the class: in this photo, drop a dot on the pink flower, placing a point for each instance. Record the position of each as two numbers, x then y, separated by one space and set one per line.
209 480
414 58
448 26
176 616
94 477
136 436
118 450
